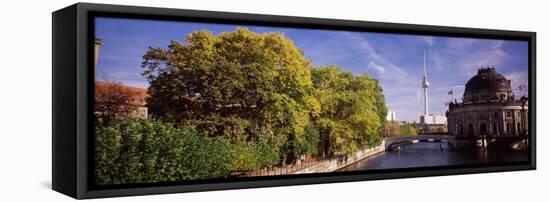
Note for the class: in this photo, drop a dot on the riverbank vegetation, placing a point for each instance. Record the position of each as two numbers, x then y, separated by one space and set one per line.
397 129
236 102
407 129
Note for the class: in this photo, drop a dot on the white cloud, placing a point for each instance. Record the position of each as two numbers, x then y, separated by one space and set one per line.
377 67
471 54
391 71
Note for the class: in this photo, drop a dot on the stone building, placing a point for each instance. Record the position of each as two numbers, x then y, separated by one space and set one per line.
489 110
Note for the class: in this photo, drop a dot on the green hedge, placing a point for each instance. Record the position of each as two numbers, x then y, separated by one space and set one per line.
142 151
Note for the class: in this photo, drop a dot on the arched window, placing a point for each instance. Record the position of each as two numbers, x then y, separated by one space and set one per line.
509 128
483 129
455 130
470 130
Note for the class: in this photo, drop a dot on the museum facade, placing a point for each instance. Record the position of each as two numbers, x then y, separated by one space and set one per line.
489 109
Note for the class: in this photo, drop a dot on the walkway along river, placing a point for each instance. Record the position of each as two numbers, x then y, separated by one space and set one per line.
427 154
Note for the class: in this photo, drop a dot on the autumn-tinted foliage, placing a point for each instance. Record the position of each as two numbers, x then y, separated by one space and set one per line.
391 129
113 100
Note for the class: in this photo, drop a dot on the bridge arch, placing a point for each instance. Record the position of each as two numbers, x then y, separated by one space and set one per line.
392 143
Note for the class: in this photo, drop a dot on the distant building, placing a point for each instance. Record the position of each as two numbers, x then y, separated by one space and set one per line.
433 123
433 119
134 104
391 116
489 109
139 102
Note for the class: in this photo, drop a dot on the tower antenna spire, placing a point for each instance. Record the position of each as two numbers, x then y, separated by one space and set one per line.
425 72
425 85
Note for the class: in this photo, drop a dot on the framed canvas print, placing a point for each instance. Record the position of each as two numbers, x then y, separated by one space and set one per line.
154 100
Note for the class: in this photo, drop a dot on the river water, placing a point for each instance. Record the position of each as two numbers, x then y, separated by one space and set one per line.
425 154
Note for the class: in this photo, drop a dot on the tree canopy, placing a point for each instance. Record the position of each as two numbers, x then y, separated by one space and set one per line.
240 84
352 110
408 129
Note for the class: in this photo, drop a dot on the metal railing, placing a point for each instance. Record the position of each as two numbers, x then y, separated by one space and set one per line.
290 168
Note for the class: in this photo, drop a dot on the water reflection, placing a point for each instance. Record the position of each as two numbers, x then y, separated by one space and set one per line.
431 154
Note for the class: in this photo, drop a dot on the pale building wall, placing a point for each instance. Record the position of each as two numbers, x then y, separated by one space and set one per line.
391 116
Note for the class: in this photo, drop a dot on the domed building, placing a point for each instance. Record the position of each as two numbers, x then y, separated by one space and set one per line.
489 111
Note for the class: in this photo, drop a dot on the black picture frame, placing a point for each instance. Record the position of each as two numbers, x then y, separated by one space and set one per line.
72 99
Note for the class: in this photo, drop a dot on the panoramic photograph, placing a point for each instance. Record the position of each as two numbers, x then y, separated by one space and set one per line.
186 101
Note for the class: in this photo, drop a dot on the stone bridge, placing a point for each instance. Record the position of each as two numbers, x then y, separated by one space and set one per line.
396 142
479 143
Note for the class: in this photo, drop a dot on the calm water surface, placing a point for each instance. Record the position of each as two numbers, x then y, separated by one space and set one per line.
430 154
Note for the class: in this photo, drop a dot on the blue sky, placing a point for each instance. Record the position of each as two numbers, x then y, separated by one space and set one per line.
396 60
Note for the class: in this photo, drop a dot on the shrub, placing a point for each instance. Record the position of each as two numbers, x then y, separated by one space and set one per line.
142 151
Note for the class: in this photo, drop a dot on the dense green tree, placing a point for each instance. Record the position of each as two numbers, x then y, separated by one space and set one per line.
240 84
352 110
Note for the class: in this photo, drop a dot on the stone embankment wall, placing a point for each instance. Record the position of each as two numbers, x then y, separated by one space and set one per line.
331 165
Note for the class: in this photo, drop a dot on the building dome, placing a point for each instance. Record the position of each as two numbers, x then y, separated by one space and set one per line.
488 85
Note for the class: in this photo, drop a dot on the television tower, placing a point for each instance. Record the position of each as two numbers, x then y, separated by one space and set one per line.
425 85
